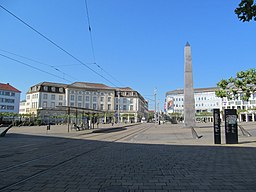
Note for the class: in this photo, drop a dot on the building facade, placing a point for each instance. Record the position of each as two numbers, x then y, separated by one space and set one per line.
124 104
9 98
206 101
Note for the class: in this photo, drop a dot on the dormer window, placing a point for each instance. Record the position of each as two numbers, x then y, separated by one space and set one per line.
53 89
45 88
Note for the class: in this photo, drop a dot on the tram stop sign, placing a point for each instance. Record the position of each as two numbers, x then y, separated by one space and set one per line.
231 126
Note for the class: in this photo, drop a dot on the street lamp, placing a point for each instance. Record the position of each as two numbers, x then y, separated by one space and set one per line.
118 107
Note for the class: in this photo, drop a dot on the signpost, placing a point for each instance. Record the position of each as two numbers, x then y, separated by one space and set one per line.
216 124
231 126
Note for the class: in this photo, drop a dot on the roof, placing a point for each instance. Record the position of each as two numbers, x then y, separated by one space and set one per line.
52 84
90 85
125 89
196 90
8 87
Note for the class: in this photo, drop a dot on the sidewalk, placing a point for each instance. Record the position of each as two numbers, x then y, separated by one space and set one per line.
64 130
165 158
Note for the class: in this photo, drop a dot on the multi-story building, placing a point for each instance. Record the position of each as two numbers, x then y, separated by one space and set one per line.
206 101
45 95
9 98
132 106
87 97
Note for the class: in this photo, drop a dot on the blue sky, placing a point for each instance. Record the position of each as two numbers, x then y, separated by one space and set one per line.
138 42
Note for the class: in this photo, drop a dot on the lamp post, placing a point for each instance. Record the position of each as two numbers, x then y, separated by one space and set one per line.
155 114
118 107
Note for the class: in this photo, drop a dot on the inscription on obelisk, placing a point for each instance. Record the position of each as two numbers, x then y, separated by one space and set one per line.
189 100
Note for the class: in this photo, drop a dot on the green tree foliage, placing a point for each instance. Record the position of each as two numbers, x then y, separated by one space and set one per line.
243 85
246 10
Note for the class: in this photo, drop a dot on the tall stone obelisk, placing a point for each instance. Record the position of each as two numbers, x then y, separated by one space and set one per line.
189 100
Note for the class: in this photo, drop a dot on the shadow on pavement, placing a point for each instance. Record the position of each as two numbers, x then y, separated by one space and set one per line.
42 163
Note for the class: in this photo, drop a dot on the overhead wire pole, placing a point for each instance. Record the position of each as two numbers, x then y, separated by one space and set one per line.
155 115
56 45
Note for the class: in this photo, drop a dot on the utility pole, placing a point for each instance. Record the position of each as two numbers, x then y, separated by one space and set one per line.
118 105
158 112
155 115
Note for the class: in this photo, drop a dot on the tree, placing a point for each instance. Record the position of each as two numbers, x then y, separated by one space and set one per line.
246 10
243 85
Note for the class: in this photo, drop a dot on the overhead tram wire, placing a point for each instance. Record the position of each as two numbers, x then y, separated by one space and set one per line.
90 30
92 44
39 62
36 68
56 45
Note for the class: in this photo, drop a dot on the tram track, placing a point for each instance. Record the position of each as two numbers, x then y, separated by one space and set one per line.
114 137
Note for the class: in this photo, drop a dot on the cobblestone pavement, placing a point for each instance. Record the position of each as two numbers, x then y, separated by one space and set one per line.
141 158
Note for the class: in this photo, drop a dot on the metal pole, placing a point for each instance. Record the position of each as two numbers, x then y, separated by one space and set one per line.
68 118
158 113
118 110
155 106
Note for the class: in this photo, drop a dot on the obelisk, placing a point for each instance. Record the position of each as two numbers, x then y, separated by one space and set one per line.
189 100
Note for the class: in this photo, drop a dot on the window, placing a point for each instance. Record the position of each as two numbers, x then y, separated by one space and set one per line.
94 106
101 99
109 106
34 105
72 97
60 104
238 102
52 97
124 100
131 107
28 97
124 107
116 107
60 97
87 106
79 104
101 106
45 96
87 98
79 98
53 89
61 90
10 107
45 104
109 99
45 88
131 101
94 99
12 94
72 104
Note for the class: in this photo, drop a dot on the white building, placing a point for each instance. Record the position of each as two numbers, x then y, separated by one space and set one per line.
206 101
87 96
9 98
